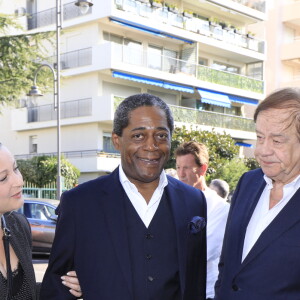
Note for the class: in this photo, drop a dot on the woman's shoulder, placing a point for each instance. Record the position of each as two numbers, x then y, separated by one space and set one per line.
17 218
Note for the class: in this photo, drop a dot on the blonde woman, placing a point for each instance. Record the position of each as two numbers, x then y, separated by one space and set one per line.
17 279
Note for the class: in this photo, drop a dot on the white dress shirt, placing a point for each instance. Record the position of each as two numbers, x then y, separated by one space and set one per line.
263 216
217 212
144 210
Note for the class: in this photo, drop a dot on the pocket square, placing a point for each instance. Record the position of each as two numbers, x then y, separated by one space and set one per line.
196 224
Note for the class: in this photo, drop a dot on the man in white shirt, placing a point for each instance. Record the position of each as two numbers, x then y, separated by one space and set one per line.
191 165
261 248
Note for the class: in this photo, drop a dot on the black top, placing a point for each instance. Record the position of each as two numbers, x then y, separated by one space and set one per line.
21 290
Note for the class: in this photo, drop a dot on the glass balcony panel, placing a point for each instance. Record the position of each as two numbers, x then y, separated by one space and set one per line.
194 116
69 109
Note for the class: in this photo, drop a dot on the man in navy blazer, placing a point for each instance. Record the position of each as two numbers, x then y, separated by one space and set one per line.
261 248
135 234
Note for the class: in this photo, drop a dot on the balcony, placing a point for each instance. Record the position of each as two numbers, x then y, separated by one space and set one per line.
77 58
230 79
48 16
257 5
86 160
163 63
216 120
290 13
191 24
200 117
69 109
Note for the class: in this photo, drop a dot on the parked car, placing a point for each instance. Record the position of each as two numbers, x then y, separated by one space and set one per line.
42 218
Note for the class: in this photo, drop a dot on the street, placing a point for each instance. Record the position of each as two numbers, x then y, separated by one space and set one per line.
40 263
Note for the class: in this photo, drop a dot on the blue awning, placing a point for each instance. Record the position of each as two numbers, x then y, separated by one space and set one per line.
148 29
138 78
244 144
178 87
243 100
160 83
214 98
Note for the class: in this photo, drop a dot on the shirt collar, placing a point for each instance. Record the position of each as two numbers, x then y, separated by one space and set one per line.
294 183
163 181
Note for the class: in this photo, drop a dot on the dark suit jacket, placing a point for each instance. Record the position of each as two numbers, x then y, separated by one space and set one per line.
91 238
21 242
271 270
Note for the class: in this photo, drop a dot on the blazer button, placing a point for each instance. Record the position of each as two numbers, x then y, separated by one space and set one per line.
235 287
149 236
150 278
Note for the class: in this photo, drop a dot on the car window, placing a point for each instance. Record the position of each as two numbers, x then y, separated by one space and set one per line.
38 211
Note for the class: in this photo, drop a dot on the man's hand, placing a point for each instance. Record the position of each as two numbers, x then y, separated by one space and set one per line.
71 281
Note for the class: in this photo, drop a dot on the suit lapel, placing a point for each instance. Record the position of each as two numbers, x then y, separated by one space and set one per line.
286 218
116 223
178 206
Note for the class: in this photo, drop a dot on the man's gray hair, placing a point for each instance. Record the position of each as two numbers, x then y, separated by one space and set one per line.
221 187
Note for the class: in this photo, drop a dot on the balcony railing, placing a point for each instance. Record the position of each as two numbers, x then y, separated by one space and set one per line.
200 26
258 5
77 58
72 154
147 59
194 116
230 79
69 109
73 59
48 16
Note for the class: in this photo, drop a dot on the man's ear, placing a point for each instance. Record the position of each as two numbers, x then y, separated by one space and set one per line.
116 141
203 169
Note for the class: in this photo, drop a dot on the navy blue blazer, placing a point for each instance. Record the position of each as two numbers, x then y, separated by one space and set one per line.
91 238
271 270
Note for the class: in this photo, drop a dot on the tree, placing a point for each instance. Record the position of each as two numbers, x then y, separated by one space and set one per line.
20 55
42 170
220 146
223 161
230 171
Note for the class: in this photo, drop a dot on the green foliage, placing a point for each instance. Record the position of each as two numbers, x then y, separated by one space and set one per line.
230 171
19 57
220 146
223 161
251 163
41 170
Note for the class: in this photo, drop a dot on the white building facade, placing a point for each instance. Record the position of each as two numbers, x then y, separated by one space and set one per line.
199 56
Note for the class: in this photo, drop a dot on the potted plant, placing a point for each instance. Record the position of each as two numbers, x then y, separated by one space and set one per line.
157 3
188 13
250 35
213 21
172 8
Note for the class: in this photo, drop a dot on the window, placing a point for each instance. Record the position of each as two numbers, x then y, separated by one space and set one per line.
170 62
155 57
225 67
132 52
33 147
126 50
202 61
255 70
38 211
107 143
233 110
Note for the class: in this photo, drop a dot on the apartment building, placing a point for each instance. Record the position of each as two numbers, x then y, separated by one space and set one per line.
201 57
283 53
